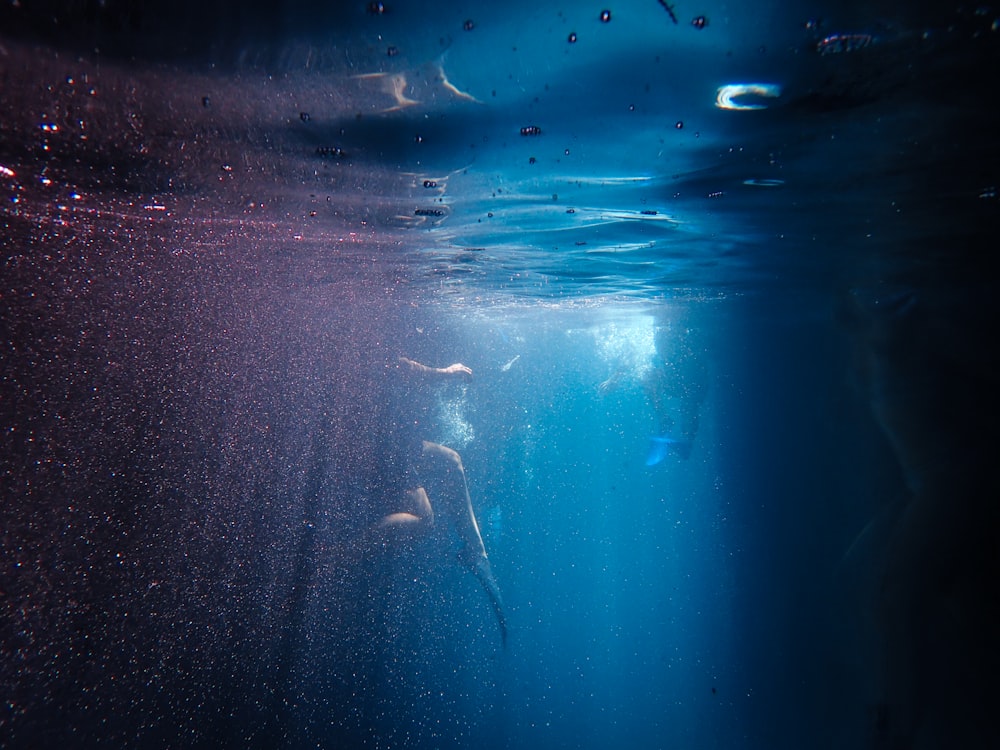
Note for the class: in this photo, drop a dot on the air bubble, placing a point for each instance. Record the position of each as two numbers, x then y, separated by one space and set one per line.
840 43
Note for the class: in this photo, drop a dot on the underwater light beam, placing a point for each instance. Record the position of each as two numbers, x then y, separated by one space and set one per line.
726 95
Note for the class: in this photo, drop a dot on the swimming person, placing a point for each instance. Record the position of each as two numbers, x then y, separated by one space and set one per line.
433 480
675 385
924 365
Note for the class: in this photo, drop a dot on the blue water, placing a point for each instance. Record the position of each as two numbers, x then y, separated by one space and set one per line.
221 228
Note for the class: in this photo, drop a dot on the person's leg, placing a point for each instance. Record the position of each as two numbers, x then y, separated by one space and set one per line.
452 498
446 467
422 514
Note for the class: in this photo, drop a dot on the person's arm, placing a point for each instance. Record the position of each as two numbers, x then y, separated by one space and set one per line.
612 383
410 365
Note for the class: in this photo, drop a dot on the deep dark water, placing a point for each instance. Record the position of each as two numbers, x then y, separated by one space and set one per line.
217 241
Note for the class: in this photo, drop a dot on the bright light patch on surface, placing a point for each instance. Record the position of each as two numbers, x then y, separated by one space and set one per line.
725 97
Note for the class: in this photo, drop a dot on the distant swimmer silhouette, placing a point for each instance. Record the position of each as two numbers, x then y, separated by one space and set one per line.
425 464
675 385
931 385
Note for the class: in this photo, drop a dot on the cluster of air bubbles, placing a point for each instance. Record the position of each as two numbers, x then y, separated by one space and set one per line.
330 152
531 130
626 345
392 51
428 212
840 43
763 182
468 25
304 116
430 184
376 8
456 428
699 22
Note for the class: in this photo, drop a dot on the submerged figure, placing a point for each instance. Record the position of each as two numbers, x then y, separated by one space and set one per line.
675 385
424 464
931 385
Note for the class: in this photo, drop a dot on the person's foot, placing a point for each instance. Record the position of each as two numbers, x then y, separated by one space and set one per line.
481 569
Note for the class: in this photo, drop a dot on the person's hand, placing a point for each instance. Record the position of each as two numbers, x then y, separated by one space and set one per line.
457 369
609 385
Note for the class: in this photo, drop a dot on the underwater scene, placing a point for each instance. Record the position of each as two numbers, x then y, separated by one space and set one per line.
452 374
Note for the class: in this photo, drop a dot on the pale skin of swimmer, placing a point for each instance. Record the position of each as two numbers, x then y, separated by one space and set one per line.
453 502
